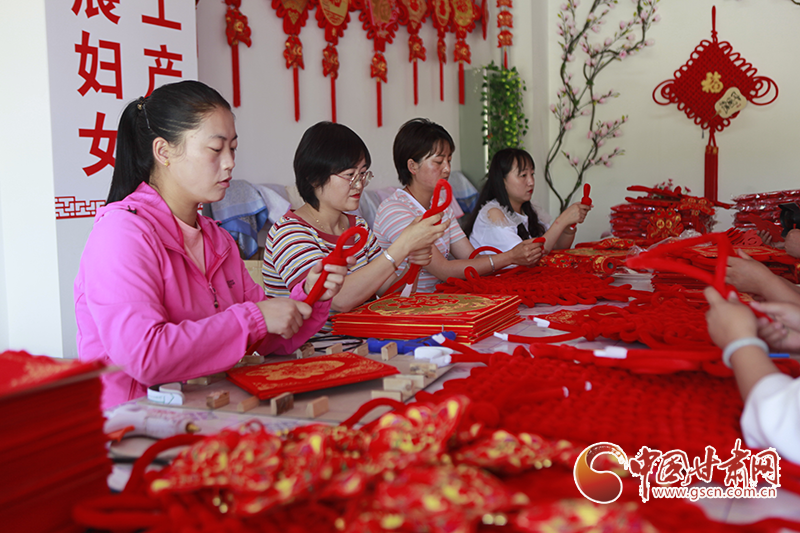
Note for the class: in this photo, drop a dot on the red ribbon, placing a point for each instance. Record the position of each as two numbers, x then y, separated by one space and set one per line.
339 257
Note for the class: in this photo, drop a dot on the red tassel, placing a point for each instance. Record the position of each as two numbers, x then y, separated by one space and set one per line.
296 95
237 101
380 106
485 15
711 169
416 90
441 81
333 99
505 58
461 82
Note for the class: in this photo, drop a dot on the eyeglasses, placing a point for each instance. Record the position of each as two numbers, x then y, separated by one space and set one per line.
357 178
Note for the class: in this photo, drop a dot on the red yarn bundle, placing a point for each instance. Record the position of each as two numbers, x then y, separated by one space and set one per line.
546 285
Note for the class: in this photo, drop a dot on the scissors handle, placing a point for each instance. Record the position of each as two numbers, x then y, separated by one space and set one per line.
437 206
339 257
587 189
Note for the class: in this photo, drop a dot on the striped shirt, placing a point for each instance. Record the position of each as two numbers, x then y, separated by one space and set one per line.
396 213
293 246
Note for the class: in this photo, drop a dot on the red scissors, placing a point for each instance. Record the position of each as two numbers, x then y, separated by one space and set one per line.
437 207
339 257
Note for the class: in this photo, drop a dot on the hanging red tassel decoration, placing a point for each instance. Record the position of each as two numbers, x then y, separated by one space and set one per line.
484 17
441 21
380 20
294 14
412 15
464 16
237 30
505 21
333 16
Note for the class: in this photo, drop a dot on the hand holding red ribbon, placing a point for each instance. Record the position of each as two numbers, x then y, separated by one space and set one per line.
437 206
339 257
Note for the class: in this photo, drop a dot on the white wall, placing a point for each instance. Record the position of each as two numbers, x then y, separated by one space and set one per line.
30 316
265 121
756 152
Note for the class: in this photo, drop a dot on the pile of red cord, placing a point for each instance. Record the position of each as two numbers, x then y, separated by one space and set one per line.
545 285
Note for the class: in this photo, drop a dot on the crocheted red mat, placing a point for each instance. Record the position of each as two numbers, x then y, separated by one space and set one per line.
546 285
685 410
658 320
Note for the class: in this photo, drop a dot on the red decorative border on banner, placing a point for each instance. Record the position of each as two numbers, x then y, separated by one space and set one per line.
69 207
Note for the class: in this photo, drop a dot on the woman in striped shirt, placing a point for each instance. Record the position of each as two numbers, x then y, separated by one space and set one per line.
331 170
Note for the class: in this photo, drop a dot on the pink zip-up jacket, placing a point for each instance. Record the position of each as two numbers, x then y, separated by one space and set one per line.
142 304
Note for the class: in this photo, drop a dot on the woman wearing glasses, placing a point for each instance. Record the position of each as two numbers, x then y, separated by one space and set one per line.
330 167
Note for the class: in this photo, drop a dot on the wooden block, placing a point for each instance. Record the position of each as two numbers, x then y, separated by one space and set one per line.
361 349
217 399
207 380
397 384
253 359
400 396
388 351
334 348
247 404
281 403
417 380
306 350
317 407
426 369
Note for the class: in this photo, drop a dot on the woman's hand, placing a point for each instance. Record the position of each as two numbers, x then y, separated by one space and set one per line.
420 235
574 214
421 257
527 253
728 320
334 281
746 274
284 316
783 333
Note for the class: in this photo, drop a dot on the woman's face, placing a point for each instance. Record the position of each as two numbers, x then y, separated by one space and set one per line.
337 192
432 168
519 185
201 168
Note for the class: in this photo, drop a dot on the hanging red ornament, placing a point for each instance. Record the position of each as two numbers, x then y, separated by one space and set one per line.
464 16
294 14
505 22
333 16
711 88
237 30
441 21
380 19
412 15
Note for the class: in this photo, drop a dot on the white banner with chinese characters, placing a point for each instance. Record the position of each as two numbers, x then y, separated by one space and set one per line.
101 55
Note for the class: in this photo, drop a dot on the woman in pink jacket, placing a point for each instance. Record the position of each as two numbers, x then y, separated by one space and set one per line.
162 292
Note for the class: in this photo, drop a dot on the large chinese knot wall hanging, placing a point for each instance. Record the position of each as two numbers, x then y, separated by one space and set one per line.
294 14
712 87
465 13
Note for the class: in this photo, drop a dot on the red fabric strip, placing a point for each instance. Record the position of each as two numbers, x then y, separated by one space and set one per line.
235 67
380 105
416 82
296 94
333 99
